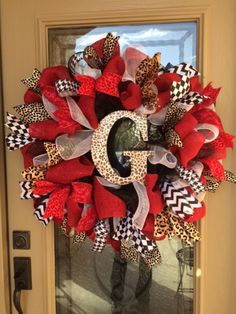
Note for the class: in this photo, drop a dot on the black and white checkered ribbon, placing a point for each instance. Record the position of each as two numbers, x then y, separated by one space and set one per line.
180 69
101 230
179 89
190 176
66 87
74 62
20 133
126 231
191 98
180 201
32 81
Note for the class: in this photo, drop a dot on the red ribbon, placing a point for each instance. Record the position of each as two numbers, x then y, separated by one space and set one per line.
61 195
87 85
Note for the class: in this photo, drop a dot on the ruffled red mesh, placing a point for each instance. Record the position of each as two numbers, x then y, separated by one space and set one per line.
192 143
70 170
50 75
211 92
108 84
87 85
30 96
107 204
87 222
66 123
185 125
87 105
30 151
195 85
208 116
215 167
46 130
131 97
154 194
164 81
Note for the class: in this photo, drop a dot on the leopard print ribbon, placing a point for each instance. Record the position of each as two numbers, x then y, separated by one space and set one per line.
167 224
35 173
53 153
32 81
34 112
145 76
212 184
91 57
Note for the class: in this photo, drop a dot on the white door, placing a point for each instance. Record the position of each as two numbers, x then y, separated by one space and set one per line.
25 45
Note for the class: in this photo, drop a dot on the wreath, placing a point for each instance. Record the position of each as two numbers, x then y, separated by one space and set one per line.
120 148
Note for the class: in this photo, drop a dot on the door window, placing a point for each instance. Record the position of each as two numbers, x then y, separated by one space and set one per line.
88 282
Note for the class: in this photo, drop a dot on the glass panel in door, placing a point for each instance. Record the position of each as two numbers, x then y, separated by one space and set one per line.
89 282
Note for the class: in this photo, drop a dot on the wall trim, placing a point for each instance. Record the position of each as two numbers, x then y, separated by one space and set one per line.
105 17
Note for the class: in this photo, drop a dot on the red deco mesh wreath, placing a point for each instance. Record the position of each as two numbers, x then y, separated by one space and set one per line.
120 149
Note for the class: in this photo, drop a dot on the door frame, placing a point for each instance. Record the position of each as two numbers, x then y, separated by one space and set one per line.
104 17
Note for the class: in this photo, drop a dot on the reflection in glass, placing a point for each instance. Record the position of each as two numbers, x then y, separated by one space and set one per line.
93 283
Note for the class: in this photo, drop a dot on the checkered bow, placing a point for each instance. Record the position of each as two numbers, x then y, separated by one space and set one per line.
101 230
180 90
190 176
20 133
127 231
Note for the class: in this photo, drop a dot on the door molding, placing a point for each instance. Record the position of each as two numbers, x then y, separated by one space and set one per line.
129 16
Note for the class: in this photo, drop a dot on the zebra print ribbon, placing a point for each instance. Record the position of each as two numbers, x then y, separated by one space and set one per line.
180 69
180 201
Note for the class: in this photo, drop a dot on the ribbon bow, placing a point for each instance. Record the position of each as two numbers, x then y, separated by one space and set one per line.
61 195
101 230
32 81
190 176
20 133
180 201
33 112
126 231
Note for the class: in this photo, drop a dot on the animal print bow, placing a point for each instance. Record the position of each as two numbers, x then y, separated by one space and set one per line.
34 112
167 224
32 81
20 133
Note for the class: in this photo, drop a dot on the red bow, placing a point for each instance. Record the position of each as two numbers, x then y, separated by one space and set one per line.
63 196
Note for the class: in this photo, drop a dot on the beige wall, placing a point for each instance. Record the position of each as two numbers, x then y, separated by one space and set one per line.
217 251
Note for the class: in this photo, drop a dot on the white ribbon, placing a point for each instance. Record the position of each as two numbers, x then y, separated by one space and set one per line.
77 114
40 160
132 58
162 156
209 131
142 210
50 107
76 145
158 118
107 184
